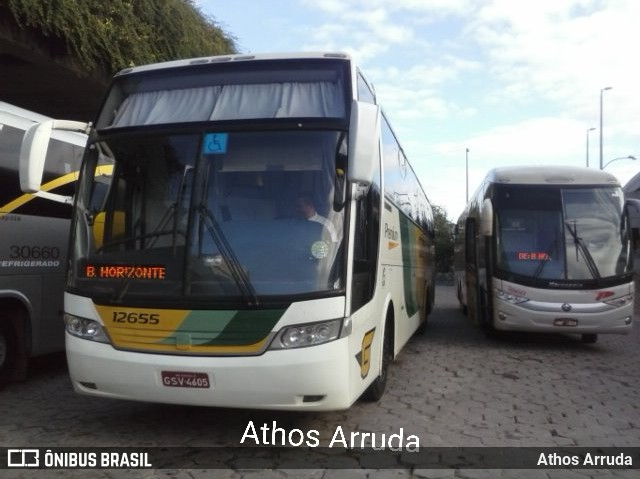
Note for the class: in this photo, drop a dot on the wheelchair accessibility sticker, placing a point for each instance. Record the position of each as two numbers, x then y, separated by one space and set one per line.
215 144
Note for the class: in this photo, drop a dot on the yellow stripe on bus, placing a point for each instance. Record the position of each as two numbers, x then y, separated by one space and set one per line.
126 331
55 183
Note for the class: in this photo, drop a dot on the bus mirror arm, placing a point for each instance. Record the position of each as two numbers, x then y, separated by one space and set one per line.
33 154
360 190
339 191
340 180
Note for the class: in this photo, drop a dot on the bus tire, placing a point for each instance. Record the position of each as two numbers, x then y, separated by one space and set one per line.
8 356
589 338
424 313
376 389
485 318
463 307
488 328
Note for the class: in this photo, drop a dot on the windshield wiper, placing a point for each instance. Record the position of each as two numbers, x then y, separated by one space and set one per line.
547 256
155 234
171 215
161 229
580 246
235 267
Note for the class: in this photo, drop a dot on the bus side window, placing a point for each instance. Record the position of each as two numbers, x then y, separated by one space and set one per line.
365 248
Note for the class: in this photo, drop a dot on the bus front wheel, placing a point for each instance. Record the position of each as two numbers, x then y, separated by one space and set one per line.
424 313
463 306
7 351
589 338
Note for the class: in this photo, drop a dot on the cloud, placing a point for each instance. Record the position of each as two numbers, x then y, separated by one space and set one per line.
536 141
560 50
369 28
516 82
414 6
543 65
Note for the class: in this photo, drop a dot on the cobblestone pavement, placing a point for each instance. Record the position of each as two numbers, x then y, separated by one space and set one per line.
451 387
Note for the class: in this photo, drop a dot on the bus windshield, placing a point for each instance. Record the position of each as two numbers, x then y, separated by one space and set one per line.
237 216
561 233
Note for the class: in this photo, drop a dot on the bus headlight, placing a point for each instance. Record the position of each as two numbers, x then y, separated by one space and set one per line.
510 298
621 301
85 328
303 335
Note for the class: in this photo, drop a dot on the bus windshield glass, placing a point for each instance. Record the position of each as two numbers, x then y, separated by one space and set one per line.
209 215
561 233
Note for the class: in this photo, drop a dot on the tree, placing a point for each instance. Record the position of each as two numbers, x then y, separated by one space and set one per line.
109 35
443 240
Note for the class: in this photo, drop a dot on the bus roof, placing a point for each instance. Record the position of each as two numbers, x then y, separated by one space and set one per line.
235 58
550 175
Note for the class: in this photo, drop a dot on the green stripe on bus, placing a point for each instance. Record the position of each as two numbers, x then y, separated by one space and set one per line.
409 235
226 328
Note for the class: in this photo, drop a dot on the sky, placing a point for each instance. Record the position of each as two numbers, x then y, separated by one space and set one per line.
513 82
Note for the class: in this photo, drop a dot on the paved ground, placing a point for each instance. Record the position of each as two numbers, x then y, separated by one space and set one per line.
452 387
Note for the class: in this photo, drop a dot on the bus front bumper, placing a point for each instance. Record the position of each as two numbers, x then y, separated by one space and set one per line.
552 319
313 378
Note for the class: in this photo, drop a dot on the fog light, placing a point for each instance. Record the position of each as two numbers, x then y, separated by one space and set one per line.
627 320
312 398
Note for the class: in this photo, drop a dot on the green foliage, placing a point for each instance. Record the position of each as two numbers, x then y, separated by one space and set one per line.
110 35
444 240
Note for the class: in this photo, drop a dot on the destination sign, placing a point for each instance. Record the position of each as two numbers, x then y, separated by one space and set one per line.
120 271
533 256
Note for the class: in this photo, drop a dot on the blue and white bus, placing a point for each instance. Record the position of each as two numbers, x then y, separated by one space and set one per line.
196 276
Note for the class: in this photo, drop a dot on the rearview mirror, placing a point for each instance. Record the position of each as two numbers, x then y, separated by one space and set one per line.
486 218
364 150
33 154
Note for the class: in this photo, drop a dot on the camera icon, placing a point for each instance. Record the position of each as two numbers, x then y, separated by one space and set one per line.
23 458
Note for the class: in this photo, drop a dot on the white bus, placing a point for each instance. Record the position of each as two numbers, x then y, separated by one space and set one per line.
547 249
34 238
260 241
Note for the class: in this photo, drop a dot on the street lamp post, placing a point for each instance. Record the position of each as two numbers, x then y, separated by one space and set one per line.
602 90
588 130
629 157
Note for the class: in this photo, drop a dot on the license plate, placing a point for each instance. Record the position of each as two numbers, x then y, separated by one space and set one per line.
182 379
565 322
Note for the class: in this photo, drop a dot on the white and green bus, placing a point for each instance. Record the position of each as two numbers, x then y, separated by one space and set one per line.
547 249
34 238
256 237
